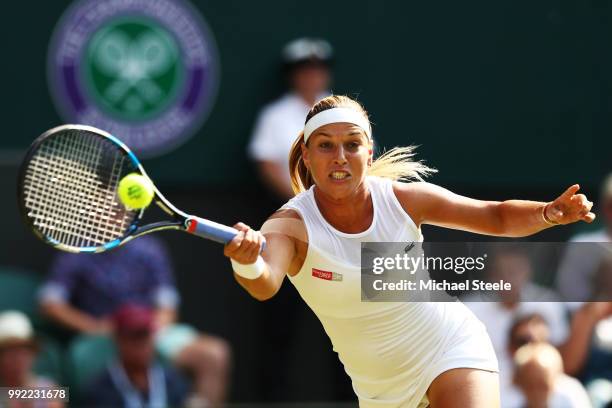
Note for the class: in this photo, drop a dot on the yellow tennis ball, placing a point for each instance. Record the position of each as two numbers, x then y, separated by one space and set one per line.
135 191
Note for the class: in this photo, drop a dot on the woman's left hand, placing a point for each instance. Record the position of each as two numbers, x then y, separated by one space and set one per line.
570 207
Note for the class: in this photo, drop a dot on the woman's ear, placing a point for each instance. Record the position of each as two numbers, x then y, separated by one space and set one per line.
371 154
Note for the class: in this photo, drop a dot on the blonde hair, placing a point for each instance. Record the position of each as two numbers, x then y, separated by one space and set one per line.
395 164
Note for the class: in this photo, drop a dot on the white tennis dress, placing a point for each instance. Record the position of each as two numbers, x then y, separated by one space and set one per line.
392 351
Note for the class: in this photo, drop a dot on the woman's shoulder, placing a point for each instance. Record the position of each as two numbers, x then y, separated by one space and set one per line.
415 190
413 197
402 186
289 213
287 222
410 186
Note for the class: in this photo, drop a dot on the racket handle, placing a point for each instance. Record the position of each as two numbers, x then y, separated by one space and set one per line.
211 230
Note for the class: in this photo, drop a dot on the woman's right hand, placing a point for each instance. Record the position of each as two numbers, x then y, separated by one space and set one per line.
277 256
246 245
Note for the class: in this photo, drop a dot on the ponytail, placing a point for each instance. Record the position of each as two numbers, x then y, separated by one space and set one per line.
301 179
397 164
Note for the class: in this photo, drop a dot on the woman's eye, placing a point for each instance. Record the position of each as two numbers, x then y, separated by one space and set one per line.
325 145
352 145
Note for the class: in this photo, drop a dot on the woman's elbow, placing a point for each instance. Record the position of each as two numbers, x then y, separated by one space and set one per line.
264 293
262 296
261 292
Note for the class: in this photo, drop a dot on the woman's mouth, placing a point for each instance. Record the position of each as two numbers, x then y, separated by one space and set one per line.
339 175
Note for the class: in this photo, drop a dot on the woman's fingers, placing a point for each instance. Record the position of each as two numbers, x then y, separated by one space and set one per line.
586 208
245 246
579 200
233 246
240 226
571 207
590 217
571 190
253 249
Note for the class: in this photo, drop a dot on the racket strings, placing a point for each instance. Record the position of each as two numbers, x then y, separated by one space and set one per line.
71 197
73 231
69 190
58 209
53 204
97 203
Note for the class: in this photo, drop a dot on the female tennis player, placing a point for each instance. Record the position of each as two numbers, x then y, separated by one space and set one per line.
397 354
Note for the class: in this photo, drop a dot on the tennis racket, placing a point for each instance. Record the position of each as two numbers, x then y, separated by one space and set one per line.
67 191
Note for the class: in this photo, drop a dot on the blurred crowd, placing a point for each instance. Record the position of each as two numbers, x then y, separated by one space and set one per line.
126 346
551 352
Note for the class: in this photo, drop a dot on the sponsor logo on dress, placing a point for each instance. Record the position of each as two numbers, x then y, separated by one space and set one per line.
145 71
331 276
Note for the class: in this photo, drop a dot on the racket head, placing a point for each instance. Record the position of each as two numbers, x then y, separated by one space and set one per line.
67 189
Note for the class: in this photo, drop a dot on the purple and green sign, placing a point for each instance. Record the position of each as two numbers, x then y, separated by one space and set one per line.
143 70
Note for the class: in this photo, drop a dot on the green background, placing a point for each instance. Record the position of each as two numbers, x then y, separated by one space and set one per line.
168 82
496 94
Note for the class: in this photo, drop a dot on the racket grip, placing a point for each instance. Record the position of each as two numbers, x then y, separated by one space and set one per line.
211 230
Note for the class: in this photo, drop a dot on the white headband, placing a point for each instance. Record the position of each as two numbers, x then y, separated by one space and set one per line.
336 115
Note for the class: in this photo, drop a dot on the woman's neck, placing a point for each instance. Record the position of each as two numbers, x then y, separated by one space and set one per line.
352 214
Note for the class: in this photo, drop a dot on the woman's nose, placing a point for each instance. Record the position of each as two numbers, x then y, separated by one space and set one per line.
340 157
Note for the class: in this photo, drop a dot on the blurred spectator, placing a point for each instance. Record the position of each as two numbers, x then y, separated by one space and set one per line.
513 265
135 379
588 350
307 64
532 329
587 353
18 349
539 375
581 261
602 281
83 290
600 392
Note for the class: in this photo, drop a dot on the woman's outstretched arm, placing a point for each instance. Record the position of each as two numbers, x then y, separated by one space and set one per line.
430 204
278 257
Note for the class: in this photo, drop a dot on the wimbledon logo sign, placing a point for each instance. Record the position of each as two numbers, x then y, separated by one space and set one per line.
143 70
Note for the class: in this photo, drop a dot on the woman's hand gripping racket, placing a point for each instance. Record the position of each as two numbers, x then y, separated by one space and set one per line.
67 191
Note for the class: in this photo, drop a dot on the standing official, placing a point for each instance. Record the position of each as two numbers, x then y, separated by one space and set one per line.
307 66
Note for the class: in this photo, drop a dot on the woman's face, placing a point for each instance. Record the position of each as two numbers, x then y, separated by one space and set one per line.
337 156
